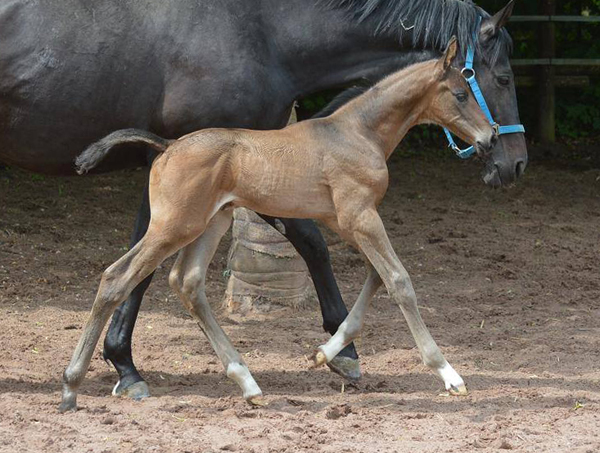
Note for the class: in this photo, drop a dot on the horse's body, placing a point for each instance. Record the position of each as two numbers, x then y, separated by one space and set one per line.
332 169
73 70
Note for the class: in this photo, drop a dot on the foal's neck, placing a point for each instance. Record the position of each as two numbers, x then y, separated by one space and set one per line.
386 112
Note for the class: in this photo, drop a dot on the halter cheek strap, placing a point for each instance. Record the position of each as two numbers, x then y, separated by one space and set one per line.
468 73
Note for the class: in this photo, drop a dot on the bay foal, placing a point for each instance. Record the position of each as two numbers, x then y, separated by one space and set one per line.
331 169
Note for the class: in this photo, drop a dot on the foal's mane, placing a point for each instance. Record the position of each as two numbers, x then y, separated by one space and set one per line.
430 23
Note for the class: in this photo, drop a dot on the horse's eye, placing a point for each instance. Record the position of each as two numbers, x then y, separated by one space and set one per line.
462 96
504 80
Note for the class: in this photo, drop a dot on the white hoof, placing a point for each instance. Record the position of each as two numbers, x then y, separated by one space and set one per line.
452 380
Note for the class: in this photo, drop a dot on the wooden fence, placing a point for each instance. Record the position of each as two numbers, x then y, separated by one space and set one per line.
549 72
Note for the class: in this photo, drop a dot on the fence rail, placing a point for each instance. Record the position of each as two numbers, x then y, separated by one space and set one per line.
550 72
586 19
555 62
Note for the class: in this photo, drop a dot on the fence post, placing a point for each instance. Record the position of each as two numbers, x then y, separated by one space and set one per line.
546 127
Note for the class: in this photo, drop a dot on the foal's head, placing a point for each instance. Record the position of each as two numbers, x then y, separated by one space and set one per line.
453 105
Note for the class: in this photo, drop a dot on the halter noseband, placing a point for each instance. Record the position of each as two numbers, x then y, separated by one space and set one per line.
469 74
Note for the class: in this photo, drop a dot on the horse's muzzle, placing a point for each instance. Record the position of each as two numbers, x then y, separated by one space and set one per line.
504 174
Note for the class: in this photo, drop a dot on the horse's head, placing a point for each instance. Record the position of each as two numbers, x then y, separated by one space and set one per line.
507 160
453 106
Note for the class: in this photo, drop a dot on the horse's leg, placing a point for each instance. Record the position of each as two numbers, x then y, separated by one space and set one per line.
308 241
188 280
369 234
116 284
117 343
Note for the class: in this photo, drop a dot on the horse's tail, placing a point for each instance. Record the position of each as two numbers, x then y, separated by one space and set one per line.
96 152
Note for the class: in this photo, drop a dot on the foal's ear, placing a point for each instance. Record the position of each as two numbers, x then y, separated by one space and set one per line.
449 55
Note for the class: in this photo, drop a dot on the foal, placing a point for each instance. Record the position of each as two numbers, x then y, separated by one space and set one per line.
331 169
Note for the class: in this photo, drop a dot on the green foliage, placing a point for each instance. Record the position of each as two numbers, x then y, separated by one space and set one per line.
578 114
315 103
579 117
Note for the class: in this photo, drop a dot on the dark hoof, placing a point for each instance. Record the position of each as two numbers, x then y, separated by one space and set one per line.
346 367
67 406
136 391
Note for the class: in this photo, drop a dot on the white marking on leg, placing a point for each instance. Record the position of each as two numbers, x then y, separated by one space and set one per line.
450 377
351 328
337 342
240 374
114 390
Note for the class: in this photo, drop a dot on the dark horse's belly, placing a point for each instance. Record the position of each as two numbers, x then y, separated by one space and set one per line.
72 71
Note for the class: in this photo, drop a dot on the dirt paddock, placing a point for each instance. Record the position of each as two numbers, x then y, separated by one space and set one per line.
508 282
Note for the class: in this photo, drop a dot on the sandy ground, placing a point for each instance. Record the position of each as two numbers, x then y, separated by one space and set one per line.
508 282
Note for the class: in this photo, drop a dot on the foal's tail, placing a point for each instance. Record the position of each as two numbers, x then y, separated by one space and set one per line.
96 152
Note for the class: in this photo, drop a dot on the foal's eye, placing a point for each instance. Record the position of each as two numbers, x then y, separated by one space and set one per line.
504 80
462 96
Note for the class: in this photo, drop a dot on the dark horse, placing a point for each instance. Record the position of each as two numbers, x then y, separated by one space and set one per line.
73 70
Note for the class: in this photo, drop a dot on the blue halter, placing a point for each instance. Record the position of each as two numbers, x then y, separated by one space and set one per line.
469 74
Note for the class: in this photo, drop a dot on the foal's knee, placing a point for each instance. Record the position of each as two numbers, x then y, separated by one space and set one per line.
402 288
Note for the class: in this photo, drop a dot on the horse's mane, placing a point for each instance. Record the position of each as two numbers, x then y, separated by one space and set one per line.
430 23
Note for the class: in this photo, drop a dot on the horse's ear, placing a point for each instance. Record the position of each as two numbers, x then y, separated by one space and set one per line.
448 56
490 27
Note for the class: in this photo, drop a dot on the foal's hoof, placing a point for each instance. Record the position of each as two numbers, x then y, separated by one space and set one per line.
257 401
460 390
318 358
346 367
136 391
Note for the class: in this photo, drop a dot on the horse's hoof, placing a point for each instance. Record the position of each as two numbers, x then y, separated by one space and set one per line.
318 358
460 390
67 406
346 367
136 391
257 401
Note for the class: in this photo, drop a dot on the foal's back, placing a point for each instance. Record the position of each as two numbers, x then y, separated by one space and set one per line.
285 173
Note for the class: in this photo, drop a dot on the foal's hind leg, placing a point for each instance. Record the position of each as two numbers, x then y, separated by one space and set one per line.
188 280
117 282
117 342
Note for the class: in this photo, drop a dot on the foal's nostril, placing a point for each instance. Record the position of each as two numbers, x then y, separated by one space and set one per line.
520 168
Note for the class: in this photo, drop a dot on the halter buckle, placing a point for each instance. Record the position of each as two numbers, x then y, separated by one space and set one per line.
465 71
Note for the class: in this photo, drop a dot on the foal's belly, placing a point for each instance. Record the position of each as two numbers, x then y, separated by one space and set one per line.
292 189
289 202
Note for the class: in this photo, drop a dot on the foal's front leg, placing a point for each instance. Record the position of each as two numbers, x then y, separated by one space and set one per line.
188 280
308 241
352 326
368 232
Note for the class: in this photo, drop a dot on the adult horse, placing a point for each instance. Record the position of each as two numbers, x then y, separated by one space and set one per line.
73 70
